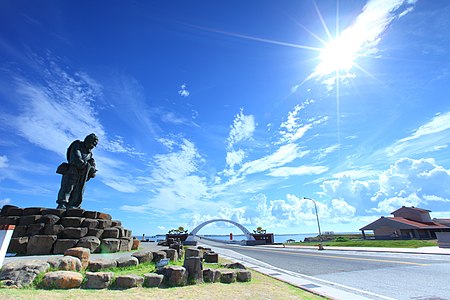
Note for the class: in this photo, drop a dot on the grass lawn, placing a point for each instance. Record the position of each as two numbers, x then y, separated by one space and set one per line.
375 243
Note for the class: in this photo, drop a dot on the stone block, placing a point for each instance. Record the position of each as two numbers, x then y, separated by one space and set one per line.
109 245
5 208
125 244
35 229
75 212
61 245
98 280
103 216
227 276
243 275
211 257
90 214
54 211
143 256
101 264
82 253
116 223
152 280
95 232
11 220
14 211
128 233
128 281
49 219
62 280
90 223
173 275
158 255
74 233
65 263
32 211
112 233
18 245
121 231
235 266
172 254
103 224
127 261
136 244
71 221
21 273
20 230
193 266
53 229
90 242
41 244
28 220
211 275
191 252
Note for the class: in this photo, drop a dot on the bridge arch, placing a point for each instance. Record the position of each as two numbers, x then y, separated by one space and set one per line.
194 232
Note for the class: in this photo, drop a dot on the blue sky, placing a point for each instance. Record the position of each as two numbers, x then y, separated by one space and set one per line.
230 109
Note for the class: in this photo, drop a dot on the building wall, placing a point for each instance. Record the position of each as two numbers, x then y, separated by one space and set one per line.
412 214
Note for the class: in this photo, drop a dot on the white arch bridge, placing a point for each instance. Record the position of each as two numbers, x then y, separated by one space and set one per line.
191 238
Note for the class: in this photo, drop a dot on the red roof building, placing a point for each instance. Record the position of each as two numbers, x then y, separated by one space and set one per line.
407 223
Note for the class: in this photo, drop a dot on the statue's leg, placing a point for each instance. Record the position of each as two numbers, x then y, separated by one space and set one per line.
65 191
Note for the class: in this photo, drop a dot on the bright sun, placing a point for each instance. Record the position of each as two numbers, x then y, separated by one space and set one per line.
337 55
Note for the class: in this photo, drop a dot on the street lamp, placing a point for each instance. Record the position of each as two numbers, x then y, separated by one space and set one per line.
318 223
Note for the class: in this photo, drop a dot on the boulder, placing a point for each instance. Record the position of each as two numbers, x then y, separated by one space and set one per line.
54 211
95 232
211 275
75 212
243 275
13 220
211 257
65 263
136 244
101 264
32 211
235 266
152 280
90 242
41 244
98 280
35 229
128 281
128 233
19 231
90 223
115 223
174 275
90 214
193 265
125 244
71 221
74 232
61 245
143 256
28 220
21 273
56 229
109 245
172 254
5 209
14 211
18 245
50 219
82 253
62 280
190 252
110 233
227 276
158 255
127 261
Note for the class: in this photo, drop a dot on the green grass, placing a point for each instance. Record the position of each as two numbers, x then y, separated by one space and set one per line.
141 269
375 243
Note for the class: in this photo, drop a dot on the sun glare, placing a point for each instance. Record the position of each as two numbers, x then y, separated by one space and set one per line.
337 55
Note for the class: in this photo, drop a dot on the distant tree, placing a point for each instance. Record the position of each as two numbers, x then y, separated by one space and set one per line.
179 230
259 230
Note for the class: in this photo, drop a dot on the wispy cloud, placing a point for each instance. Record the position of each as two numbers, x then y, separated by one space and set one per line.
297 171
242 129
3 161
183 92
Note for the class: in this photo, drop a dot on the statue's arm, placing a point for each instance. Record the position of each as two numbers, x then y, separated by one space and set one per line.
77 159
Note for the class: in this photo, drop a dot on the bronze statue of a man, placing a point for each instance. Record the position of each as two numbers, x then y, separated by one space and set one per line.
80 167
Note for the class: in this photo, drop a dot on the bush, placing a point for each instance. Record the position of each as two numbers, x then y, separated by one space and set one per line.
341 239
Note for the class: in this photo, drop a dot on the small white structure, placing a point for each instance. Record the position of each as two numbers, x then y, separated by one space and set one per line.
6 232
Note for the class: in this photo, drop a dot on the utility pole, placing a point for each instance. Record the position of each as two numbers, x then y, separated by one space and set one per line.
318 223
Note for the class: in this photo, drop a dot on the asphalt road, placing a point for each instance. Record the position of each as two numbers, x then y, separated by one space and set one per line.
394 275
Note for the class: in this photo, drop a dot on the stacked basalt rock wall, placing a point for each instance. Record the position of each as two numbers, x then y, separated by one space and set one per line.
40 231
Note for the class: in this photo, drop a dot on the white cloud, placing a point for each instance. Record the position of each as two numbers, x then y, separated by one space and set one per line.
5 201
183 92
3 161
324 152
293 129
242 129
298 171
234 158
